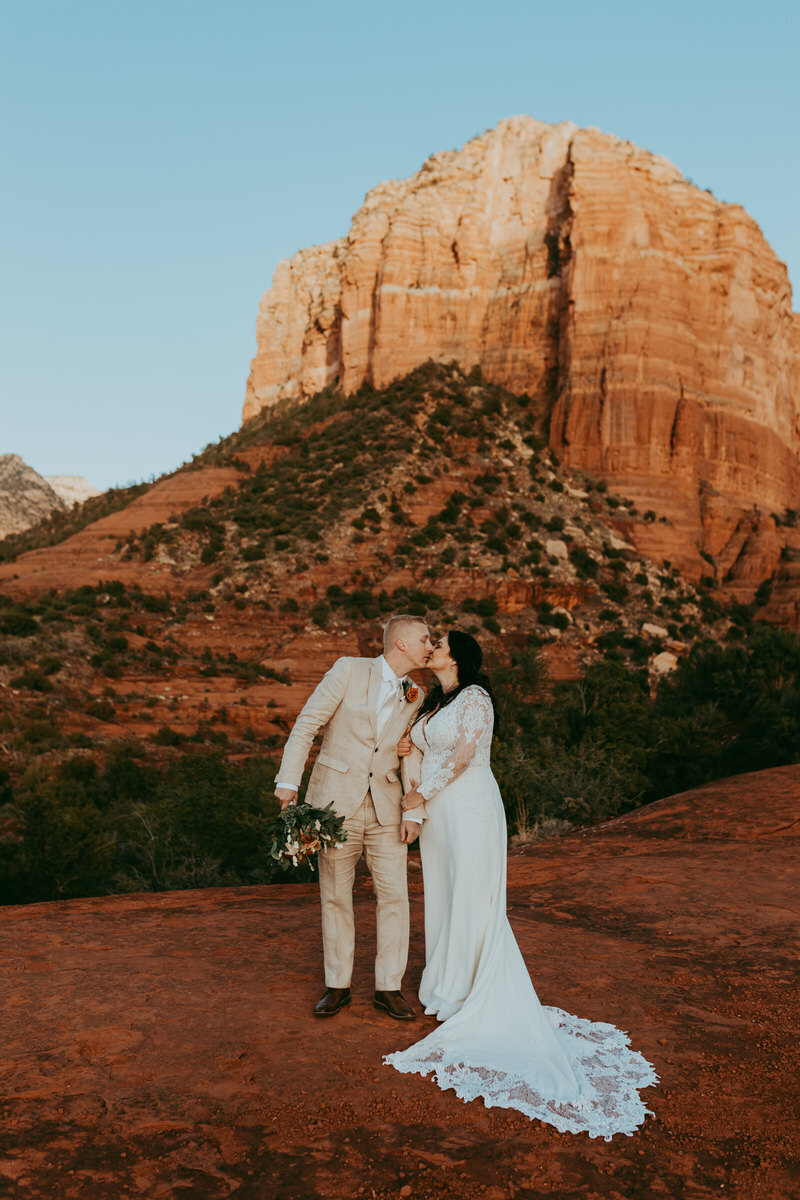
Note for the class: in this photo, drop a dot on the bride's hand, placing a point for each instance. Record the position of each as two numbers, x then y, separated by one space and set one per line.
412 799
405 745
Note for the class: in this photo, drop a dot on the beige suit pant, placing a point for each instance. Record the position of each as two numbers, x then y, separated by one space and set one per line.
386 858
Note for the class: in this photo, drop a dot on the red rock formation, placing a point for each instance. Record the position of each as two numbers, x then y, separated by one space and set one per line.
449 264
678 350
652 322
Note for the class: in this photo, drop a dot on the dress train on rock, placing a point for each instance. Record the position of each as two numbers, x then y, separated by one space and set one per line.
496 1041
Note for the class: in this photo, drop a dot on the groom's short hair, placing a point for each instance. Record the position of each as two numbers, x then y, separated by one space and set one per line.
396 627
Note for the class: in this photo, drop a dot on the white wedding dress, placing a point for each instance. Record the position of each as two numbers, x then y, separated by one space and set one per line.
496 1040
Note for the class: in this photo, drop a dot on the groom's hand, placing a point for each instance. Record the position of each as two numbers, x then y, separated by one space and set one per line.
409 831
405 745
286 796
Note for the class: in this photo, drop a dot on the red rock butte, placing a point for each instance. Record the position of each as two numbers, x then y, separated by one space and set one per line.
652 322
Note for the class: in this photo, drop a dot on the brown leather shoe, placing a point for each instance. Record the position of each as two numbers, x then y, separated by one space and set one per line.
332 1001
395 1004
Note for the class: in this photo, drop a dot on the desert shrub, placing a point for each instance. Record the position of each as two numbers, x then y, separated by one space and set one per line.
39 732
737 707
584 562
763 593
485 607
17 622
153 604
82 830
32 680
583 784
616 592
101 710
320 613
166 736
487 482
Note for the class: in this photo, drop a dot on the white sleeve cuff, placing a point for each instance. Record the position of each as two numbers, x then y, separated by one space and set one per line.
291 786
408 817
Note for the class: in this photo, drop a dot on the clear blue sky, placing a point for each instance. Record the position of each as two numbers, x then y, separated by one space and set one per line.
162 156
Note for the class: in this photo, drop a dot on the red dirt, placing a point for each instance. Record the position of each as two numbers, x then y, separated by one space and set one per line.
162 1045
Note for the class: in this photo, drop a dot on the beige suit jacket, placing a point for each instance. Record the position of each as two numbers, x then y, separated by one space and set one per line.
352 759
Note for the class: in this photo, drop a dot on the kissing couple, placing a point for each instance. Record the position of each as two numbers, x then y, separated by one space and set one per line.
494 1039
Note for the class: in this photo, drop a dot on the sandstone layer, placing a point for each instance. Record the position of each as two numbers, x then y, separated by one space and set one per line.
163 1045
651 322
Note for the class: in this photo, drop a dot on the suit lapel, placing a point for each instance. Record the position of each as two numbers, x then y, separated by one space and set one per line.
401 709
373 693
406 711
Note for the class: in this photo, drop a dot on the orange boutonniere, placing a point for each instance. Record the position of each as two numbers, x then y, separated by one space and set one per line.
410 691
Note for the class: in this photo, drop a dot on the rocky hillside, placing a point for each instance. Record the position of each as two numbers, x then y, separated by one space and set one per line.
192 617
651 322
27 498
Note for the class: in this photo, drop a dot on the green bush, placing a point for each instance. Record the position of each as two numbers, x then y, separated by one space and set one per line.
616 592
32 680
82 830
17 622
102 710
585 564
320 613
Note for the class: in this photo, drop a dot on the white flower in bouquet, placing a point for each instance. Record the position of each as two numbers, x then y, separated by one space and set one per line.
300 832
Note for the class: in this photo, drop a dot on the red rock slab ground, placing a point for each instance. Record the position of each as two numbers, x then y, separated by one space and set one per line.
163 1046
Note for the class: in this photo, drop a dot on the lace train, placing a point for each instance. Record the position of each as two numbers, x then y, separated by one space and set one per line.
613 1073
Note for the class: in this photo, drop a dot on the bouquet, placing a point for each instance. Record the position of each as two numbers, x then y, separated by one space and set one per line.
299 832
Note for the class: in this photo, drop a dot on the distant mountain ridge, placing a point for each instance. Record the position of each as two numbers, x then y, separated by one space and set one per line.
73 489
26 497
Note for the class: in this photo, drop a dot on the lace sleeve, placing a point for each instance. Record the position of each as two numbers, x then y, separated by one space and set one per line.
472 717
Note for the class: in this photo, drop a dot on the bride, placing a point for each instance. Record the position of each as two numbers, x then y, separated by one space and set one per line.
495 1040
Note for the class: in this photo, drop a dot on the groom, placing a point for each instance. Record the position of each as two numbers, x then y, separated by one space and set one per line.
365 705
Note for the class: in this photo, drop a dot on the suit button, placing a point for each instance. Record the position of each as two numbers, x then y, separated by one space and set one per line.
370 774
376 749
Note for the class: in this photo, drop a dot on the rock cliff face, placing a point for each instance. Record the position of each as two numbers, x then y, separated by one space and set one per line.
26 497
652 323
73 489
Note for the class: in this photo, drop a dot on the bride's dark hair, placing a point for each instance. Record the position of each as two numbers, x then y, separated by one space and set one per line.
468 657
